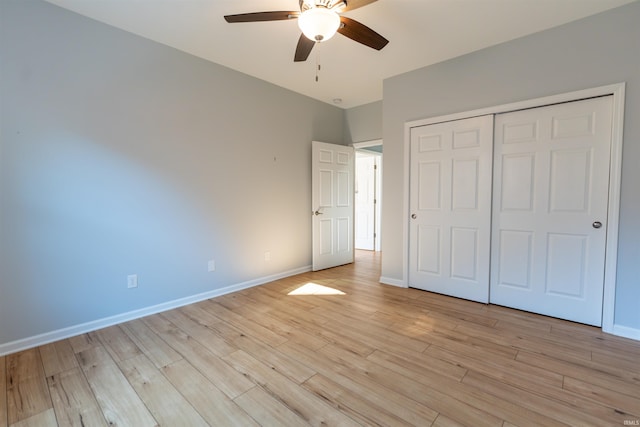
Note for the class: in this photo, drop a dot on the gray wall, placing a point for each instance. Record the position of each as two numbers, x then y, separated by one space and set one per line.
121 156
363 123
596 51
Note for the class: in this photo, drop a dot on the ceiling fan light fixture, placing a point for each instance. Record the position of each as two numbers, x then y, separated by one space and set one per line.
319 23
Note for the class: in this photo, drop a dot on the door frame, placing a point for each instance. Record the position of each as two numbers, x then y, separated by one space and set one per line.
615 177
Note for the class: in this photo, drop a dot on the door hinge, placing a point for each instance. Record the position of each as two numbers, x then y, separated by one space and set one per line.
375 167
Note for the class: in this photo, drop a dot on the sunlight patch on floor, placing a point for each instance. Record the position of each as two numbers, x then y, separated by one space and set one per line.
315 289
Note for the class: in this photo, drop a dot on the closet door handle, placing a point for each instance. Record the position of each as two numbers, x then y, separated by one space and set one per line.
597 224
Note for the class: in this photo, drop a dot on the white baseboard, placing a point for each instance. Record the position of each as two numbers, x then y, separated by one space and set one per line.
626 332
393 282
48 337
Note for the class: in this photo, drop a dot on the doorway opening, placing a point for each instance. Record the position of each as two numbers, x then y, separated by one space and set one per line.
368 185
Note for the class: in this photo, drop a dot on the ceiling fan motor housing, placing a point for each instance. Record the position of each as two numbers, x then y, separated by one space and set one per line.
333 5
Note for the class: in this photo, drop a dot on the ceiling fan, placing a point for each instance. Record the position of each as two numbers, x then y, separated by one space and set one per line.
319 20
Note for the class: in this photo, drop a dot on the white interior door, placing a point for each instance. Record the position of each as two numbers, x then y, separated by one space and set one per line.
551 178
365 198
450 207
332 204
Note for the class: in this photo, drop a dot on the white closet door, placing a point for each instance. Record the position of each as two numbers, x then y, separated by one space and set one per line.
450 207
551 178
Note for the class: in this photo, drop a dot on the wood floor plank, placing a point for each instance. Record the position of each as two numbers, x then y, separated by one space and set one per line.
619 401
276 360
414 364
211 403
439 392
376 337
249 327
119 402
3 393
205 336
118 343
58 357
230 381
366 388
568 398
84 342
27 398
612 379
164 402
43 419
598 340
154 347
245 306
468 344
73 400
443 421
268 411
24 365
292 331
572 415
272 298
343 400
27 391
309 407
503 369
627 361
200 315
521 341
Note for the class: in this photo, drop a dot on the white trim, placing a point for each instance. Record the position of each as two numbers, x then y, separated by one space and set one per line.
48 337
393 282
615 176
613 211
365 144
626 332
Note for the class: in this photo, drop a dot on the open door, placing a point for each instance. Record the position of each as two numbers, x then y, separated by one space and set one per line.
332 195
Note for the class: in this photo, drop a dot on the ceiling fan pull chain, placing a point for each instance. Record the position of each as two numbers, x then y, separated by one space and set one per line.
318 67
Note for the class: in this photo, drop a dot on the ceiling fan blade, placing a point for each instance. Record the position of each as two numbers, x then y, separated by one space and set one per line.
261 16
354 4
303 49
361 33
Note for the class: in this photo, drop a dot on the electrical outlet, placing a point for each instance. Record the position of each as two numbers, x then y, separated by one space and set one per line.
267 256
132 281
211 265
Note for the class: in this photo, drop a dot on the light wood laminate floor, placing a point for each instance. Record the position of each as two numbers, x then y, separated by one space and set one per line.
350 352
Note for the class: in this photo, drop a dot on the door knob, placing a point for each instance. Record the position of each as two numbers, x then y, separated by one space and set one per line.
414 216
317 212
597 224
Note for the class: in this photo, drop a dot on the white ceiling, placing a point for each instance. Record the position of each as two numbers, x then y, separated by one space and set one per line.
420 33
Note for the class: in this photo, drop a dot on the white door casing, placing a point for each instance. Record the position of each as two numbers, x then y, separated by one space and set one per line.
332 196
378 211
551 189
450 207
365 194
